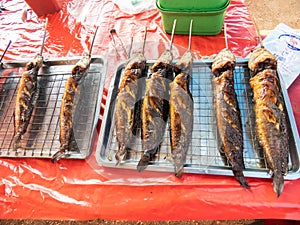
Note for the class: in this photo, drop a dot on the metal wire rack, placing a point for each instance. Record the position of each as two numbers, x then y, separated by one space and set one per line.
42 137
203 156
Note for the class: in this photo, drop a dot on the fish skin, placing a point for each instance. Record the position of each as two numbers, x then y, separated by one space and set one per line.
155 108
127 107
27 95
228 114
81 67
66 134
260 59
181 112
154 113
271 124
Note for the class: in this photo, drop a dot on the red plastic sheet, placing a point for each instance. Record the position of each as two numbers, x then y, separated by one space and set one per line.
82 189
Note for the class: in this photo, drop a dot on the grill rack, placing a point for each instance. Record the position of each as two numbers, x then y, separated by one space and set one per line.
42 137
203 156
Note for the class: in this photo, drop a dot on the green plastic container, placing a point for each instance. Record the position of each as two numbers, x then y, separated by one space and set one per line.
204 22
192 4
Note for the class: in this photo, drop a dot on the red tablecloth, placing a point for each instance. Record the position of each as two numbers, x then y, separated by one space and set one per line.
82 189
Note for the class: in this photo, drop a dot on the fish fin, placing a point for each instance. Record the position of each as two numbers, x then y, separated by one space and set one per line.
238 173
73 146
179 171
16 141
144 161
65 150
120 155
278 183
62 153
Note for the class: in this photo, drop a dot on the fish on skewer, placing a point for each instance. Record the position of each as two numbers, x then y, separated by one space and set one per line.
155 106
27 95
127 103
227 112
66 132
270 117
181 110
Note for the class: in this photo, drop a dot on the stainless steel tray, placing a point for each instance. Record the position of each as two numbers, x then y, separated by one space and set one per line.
42 137
203 156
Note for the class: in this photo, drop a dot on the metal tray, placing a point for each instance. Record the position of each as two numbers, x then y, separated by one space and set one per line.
42 137
203 156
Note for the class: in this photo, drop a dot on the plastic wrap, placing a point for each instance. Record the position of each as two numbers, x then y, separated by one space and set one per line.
83 189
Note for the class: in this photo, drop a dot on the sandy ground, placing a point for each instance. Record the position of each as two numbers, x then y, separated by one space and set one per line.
267 17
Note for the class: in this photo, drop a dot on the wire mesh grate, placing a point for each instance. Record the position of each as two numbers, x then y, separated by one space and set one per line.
203 155
42 137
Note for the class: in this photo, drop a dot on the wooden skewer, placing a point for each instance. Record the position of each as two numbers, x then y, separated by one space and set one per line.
225 35
172 35
190 35
9 43
258 33
43 42
92 43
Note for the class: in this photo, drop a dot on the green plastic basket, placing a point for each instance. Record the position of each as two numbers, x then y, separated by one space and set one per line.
208 22
192 4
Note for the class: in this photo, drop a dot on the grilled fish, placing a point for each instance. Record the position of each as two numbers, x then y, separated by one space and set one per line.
127 106
181 112
66 132
228 114
261 59
27 95
271 121
81 68
155 108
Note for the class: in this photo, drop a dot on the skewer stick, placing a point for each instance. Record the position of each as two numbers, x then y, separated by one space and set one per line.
92 43
190 35
5 50
130 47
114 32
43 42
258 34
225 35
172 35
144 42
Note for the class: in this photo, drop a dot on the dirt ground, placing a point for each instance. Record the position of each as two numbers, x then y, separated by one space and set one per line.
267 16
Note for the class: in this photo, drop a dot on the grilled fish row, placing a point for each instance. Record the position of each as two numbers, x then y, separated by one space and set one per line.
269 108
229 124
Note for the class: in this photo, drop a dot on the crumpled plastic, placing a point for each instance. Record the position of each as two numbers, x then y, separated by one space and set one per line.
83 189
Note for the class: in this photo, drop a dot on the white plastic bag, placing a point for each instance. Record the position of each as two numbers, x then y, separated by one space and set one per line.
135 6
284 43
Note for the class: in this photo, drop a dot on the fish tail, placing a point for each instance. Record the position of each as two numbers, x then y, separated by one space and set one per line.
179 170
278 183
16 141
238 173
144 161
58 155
120 155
